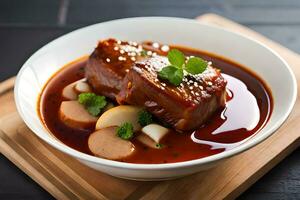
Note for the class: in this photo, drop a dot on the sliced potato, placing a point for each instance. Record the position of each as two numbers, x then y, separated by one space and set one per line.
155 132
71 93
81 87
74 114
118 115
106 144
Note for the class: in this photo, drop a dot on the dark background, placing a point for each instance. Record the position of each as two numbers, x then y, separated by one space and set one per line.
26 25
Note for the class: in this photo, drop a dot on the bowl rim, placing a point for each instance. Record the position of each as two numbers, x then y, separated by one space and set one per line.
116 164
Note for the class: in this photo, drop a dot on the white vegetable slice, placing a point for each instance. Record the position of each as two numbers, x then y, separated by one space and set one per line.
106 144
69 92
146 140
82 87
74 114
155 132
152 135
118 115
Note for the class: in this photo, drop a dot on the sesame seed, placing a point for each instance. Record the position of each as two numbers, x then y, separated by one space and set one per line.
155 45
165 48
107 60
116 48
120 58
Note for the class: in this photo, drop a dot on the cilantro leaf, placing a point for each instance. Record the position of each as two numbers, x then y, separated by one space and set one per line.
176 58
171 73
92 102
195 65
144 118
125 131
174 72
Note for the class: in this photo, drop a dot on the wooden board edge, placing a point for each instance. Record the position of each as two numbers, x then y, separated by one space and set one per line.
48 176
219 21
7 85
30 171
262 171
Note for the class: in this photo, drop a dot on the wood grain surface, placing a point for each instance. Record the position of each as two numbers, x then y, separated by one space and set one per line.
66 178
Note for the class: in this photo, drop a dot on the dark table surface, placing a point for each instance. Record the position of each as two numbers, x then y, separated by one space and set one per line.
25 26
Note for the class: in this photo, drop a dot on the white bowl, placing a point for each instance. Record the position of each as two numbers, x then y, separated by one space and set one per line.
262 60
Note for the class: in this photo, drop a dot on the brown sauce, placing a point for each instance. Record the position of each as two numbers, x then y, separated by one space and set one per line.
249 106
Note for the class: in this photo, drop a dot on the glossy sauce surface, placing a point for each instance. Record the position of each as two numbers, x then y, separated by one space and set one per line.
248 107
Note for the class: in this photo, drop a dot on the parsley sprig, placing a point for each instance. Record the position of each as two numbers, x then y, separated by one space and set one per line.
174 72
92 102
125 131
144 118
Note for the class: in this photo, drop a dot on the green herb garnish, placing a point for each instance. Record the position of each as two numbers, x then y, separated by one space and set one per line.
159 146
92 102
176 58
174 72
144 118
125 131
171 73
195 65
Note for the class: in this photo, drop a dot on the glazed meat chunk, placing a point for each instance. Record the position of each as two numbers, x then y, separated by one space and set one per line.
185 107
106 67
122 71
110 62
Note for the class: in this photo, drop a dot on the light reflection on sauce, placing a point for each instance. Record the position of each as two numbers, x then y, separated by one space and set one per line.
217 145
243 101
231 120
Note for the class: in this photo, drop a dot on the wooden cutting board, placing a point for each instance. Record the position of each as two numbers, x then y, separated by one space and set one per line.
66 178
